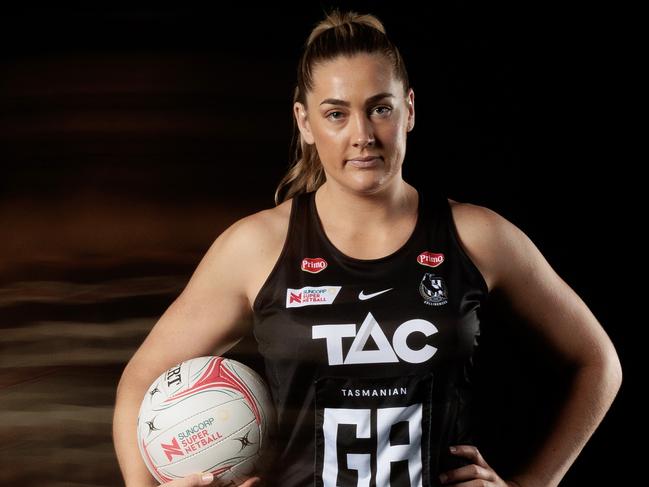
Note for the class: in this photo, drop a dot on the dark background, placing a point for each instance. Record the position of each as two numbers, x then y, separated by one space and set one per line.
131 137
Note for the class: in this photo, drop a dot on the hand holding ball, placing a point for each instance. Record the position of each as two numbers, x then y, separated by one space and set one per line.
207 414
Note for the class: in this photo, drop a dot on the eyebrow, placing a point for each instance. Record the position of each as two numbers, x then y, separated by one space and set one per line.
371 99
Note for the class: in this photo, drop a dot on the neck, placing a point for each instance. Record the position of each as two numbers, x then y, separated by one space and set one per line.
342 207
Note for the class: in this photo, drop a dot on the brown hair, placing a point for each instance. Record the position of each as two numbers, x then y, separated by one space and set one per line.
339 34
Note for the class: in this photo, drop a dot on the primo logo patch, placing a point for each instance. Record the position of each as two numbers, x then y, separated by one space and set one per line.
307 296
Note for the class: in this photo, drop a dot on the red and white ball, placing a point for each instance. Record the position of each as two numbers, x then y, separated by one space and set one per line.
207 414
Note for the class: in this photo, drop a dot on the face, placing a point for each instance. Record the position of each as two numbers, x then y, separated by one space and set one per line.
356 109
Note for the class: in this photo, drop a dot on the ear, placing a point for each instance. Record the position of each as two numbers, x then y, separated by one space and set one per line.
303 124
410 100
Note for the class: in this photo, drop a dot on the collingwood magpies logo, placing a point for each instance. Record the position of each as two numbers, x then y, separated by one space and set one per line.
433 289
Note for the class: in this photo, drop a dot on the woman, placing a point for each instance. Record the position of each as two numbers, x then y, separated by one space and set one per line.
364 295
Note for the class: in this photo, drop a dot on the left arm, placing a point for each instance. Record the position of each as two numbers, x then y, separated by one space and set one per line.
544 301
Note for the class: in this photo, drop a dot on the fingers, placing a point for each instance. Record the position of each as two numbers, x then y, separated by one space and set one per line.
252 482
470 472
478 469
206 478
193 480
471 452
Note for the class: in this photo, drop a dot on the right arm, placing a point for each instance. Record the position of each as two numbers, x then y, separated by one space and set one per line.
208 318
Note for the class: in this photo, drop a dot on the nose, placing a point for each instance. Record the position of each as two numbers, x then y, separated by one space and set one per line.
363 132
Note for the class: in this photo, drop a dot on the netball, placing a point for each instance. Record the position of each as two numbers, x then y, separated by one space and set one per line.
207 414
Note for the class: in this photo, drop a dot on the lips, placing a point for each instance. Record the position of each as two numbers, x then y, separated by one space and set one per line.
363 159
365 162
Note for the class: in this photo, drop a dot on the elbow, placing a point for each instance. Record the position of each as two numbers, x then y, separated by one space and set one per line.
612 366
612 377
131 377
614 370
609 370
123 382
603 357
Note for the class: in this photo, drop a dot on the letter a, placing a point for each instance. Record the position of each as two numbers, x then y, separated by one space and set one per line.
384 354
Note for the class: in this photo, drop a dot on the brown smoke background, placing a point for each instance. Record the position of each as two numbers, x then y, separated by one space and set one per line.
130 138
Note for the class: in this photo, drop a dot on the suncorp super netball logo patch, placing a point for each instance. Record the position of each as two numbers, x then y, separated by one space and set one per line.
192 439
307 296
313 265
431 259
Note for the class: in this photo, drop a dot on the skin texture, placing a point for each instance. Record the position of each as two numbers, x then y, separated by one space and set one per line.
340 133
370 201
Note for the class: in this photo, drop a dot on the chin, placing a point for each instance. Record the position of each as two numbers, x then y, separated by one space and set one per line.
368 185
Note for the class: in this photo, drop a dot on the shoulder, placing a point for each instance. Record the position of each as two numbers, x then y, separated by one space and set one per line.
536 293
250 246
253 235
491 241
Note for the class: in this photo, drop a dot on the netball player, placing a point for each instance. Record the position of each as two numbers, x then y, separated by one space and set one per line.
364 295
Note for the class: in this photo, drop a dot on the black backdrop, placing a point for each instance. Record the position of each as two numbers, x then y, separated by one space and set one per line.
131 137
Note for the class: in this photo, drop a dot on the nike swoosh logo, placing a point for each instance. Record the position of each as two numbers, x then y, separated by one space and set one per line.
362 296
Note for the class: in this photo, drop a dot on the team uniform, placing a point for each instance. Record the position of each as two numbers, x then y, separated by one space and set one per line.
369 361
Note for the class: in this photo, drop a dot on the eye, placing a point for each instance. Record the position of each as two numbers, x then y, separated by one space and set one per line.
387 109
330 114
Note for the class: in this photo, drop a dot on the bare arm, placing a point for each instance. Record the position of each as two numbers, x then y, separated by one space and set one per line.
209 317
545 302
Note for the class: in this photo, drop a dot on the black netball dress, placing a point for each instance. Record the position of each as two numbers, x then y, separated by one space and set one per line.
369 360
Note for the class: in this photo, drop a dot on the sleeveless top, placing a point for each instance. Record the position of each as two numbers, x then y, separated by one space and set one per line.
369 361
